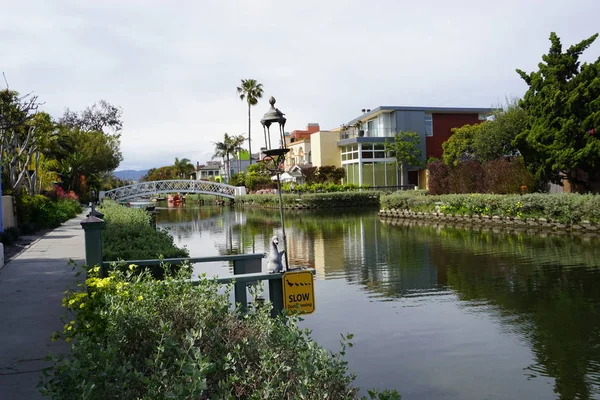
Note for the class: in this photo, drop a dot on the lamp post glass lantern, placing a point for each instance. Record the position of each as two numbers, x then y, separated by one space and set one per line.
274 158
274 115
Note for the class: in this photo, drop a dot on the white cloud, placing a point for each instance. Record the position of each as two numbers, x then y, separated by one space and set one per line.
174 66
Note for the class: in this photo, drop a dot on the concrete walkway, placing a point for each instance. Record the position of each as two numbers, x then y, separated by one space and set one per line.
31 290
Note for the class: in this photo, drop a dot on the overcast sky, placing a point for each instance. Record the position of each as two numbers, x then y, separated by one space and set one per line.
173 66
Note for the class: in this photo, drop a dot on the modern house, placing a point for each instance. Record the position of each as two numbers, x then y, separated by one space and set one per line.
362 141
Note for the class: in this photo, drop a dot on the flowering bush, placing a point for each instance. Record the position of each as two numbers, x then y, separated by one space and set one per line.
62 194
133 337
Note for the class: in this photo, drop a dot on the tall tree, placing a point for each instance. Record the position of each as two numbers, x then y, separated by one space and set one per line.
18 135
460 146
160 174
183 167
405 149
250 91
94 135
488 140
103 117
225 149
563 108
237 142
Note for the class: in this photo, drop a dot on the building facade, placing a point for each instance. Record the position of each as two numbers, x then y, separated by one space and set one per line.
361 142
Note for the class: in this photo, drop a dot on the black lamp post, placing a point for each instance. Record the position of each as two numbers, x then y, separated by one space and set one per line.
272 116
276 157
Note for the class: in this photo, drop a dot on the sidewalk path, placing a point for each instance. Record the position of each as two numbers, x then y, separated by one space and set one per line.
31 289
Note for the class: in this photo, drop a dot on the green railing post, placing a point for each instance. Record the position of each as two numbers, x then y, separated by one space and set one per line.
92 227
276 296
241 267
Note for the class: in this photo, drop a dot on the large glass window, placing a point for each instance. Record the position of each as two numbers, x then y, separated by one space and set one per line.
367 174
372 127
428 125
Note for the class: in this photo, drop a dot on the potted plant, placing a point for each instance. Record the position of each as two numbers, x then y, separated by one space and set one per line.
344 131
358 126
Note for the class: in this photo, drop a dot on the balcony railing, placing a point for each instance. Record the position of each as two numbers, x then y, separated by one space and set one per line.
380 132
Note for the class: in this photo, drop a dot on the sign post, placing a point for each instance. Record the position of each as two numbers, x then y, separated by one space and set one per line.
299 291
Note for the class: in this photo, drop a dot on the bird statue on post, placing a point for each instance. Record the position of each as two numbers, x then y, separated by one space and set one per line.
275 259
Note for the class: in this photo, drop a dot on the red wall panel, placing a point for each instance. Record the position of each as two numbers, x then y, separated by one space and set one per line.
442 125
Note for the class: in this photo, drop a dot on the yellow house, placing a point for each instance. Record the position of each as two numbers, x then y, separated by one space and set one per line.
324 148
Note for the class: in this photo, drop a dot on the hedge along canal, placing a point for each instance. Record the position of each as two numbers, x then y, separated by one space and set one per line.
366 199
557 212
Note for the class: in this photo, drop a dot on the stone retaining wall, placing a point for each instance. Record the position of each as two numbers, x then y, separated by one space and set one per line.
503 223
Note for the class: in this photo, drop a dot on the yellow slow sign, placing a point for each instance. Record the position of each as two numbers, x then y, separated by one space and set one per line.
299 291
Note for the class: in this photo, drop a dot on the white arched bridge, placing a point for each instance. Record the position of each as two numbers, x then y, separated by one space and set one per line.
144 189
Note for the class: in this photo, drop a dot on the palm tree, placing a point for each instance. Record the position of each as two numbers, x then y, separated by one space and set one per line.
183 167
224 149
236 142
251 91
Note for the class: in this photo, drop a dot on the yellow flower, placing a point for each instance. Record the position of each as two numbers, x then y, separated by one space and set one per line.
82 305
132 267
140 297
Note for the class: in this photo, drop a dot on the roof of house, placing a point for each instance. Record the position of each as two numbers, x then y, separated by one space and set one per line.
440 110
209 167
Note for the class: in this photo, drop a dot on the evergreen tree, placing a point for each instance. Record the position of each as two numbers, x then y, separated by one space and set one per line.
563 115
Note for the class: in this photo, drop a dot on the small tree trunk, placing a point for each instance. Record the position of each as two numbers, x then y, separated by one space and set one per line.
249 137
402 175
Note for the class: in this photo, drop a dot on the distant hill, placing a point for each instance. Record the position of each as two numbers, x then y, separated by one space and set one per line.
130 174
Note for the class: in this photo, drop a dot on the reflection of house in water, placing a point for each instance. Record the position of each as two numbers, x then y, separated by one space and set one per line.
300 249
375 258
363 250
327 255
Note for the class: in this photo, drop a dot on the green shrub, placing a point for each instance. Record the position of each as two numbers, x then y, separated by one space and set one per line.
128 235
564 208
320 187
40 212
133 337
312 200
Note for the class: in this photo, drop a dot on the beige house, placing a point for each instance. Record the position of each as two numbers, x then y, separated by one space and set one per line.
324 148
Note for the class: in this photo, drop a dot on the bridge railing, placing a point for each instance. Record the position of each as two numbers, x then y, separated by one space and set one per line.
173 186
247 268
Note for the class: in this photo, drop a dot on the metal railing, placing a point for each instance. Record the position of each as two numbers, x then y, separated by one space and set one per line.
393 188
172 186
247 268
376 132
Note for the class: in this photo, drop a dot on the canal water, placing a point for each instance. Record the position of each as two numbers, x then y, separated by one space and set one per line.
437 313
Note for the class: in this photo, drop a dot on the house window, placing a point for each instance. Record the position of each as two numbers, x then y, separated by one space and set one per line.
372 127
428 125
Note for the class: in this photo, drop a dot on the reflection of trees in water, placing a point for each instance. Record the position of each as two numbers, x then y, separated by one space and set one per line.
545 289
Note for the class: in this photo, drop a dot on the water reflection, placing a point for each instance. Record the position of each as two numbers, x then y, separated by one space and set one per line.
541 291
